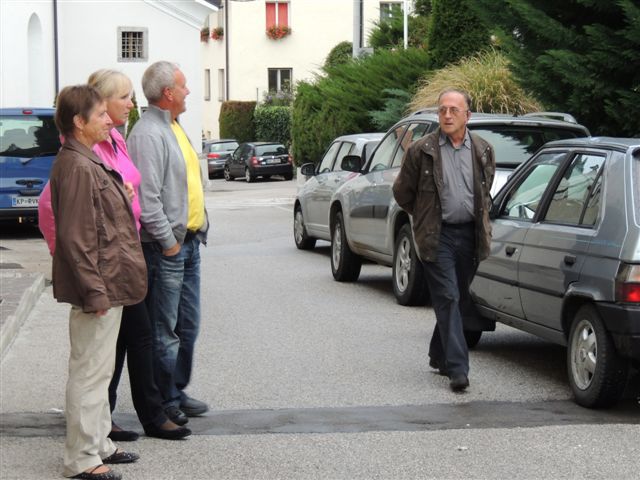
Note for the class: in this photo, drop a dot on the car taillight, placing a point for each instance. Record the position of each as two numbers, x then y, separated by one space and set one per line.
213 155
628 284
289 159
254 161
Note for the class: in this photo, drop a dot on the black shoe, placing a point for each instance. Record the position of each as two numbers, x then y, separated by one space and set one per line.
192 407
120 456
119 435
458 382
435 364
176 415
166 433
89 475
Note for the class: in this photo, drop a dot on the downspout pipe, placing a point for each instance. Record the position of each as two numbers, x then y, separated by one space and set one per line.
56 67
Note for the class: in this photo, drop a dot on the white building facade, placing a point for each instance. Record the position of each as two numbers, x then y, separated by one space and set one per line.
46 45
245 62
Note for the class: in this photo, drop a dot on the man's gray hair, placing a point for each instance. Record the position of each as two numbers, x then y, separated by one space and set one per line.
156 78
467 97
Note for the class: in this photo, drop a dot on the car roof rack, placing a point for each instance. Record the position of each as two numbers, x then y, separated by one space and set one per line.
566 117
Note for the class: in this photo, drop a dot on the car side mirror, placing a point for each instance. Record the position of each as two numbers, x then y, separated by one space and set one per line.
308 169
351 163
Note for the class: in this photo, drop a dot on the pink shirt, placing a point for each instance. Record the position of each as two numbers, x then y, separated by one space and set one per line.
116 157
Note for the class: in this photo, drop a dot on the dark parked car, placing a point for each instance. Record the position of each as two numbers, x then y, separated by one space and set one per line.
565 259
365 219
216 153
311 207
259 159
29 142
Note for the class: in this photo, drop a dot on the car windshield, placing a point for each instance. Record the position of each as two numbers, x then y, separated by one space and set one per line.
513 145
28 136
222 146
264 150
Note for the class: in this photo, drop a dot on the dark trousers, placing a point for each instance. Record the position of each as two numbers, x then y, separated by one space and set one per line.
448 279
135 342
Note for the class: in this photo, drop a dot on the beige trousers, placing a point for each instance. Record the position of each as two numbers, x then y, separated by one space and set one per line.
91 363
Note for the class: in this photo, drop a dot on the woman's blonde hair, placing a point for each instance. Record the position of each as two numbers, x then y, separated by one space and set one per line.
110 83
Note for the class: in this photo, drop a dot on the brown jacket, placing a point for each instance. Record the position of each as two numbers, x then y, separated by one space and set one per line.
98 261
418 185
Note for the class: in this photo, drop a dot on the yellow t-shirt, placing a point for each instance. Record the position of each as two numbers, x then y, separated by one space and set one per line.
195 219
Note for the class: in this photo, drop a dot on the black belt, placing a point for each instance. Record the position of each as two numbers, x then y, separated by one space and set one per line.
459 225
190 235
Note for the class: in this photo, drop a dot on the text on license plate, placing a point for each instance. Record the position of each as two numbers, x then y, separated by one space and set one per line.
24 202
271 161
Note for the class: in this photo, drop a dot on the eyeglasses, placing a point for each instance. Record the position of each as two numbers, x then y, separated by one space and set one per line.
453 110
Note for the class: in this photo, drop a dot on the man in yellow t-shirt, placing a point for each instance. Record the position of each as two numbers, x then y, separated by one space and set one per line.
173 225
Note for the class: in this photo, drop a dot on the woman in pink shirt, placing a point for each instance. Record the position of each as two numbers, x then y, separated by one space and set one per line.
135 336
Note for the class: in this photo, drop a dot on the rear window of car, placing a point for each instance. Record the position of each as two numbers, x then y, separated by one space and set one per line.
513 145
263 150
28 136
221 147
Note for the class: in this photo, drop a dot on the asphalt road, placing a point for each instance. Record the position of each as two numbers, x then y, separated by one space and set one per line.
309 378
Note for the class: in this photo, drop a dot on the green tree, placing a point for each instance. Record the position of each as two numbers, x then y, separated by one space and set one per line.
134 114
339 102
390 33
577 56
455 32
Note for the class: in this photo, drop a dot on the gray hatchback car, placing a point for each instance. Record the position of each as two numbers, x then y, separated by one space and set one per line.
565 259
365 220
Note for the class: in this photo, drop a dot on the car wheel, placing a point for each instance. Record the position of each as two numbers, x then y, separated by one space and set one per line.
472 337
227 175
409 286
288 176
247 175
597 374
303 241
345 265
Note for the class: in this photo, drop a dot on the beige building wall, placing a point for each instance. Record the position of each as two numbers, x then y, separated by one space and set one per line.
317 26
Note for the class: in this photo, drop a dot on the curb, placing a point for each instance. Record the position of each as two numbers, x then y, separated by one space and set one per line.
20 292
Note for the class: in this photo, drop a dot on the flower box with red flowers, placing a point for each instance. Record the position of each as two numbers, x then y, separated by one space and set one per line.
277 32
217 33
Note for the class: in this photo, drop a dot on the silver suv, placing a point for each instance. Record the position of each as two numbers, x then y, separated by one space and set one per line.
366 222
565 259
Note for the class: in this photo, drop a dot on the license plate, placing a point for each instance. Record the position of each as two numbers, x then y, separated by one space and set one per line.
271 161
21 202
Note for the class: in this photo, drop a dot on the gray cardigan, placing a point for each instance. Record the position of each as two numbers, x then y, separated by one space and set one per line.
154 149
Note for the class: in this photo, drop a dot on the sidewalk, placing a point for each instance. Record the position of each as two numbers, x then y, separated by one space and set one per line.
25 267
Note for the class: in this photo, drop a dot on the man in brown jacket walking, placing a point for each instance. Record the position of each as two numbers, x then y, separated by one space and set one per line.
444 184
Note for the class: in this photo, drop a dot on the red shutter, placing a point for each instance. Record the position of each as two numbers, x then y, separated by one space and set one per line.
283 14
271 14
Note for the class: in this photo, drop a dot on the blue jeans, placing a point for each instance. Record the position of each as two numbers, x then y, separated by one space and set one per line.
173 302
448 279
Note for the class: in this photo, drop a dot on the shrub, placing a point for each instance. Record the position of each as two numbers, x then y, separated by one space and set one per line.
236 121
487 78
341 53
395 106
339 103
273 124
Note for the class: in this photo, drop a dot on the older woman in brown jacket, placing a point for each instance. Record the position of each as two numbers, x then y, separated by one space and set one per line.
98 267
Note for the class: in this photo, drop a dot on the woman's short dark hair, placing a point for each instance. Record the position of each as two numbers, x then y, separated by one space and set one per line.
72 101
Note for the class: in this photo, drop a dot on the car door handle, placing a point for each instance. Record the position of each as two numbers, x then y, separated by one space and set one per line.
569 259
510 250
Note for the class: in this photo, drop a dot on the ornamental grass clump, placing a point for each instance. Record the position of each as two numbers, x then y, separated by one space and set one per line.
487 78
